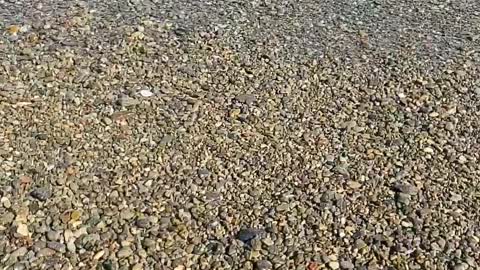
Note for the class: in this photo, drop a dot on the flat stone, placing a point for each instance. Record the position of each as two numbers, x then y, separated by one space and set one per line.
354 184
57 246
137 266
19 252
456 197
7 218
246 98
268 242
167 138
428 150
45 252
342 169
67 235
99 255
127 102
461 266
127 214
283 207
203 173
344 264
263 265
403 198
124 252
71 246
333 265
19 266
148 242
41 194
246 235
405 188
53 235
22 229
142 222
6 202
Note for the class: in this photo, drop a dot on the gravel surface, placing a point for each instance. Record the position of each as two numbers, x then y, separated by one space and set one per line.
240 134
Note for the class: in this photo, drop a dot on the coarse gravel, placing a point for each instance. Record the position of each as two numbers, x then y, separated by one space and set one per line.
240 134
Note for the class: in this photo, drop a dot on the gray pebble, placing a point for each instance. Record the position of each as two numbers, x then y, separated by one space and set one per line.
165 222
41 194
246 235
167 138
19 252
461 266
450 126
203 173
127 101
263 265
148 242
127 214
283 207
19 266
57 246
345 264
71 246
142 222
246 98
333 265
7 218
45 252
215 247
53 235
403 198
405 188
124 252
342 169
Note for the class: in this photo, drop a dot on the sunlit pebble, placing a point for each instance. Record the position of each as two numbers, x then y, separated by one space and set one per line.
146 93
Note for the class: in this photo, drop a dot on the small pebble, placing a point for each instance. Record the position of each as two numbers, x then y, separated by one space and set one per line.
146 93
344 264
98 255
142 222
53 235
334 265
354 184
6 202
19 252
124 252
46 252
137 266
41 194
57 246
263 265
268 242
22 229
405 188
428 150
127 102
246 235
461 266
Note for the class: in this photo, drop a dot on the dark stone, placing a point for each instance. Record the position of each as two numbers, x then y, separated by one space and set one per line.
142 223
247 235
215 247
41 194
107 265
404 188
